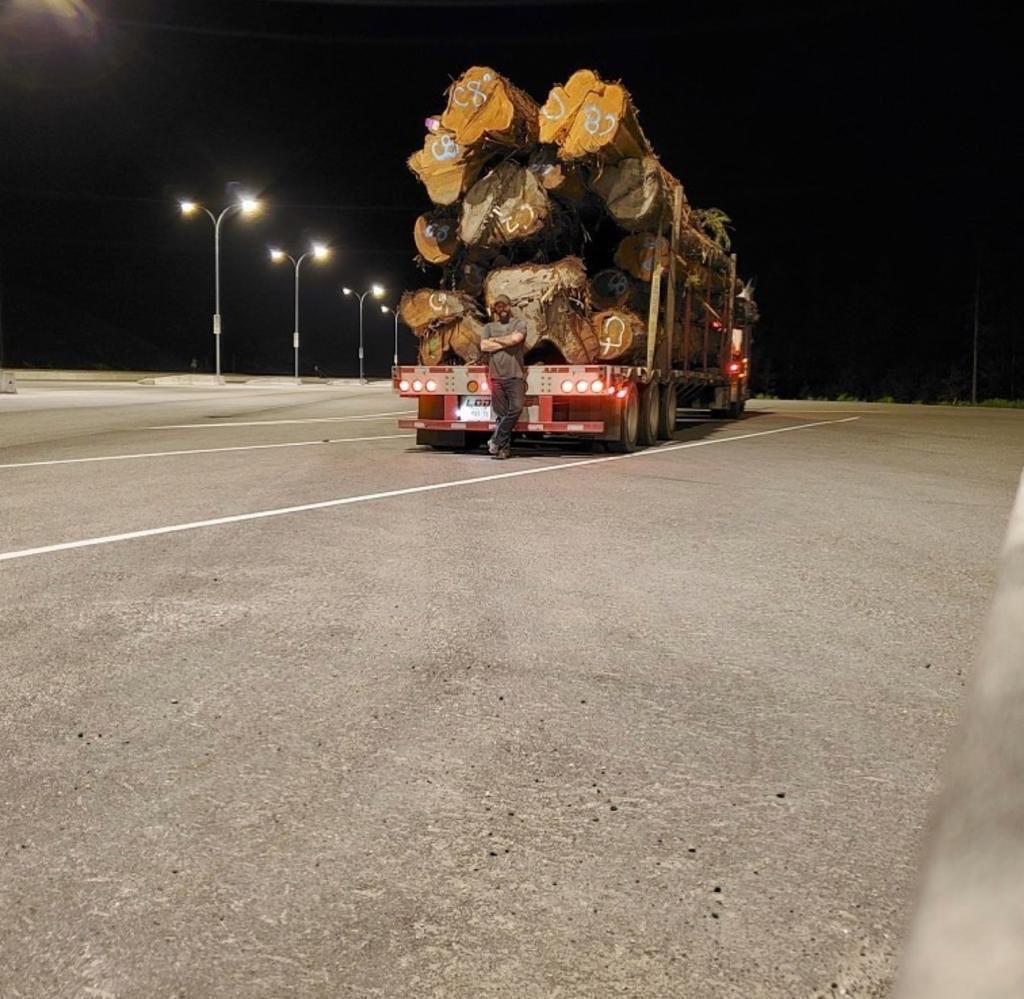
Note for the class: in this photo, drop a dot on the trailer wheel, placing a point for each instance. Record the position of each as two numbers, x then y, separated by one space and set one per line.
629 424
650 411
669 412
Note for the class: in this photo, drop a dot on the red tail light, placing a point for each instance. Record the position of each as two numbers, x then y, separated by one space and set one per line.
734 367
623 392
596 386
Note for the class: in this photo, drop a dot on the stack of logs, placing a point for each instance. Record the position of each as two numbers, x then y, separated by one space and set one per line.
564 208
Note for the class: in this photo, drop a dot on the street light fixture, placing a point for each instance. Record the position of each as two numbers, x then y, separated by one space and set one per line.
318 251
394 314
377 291
245 205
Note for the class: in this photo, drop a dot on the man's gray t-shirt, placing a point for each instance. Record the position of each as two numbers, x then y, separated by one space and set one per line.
508 362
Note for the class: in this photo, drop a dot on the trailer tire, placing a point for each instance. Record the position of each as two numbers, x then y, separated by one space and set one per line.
629 424
650 410
668 413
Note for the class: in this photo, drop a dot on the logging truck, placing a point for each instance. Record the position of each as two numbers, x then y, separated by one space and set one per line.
662 322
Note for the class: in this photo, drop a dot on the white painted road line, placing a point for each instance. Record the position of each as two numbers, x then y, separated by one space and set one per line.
278 423
202 450
391 493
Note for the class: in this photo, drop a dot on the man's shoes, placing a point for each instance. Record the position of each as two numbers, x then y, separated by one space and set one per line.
503 455
492 448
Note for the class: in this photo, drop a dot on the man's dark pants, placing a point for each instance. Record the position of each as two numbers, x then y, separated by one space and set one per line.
507 398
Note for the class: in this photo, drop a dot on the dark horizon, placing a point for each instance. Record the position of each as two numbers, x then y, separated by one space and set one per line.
865 153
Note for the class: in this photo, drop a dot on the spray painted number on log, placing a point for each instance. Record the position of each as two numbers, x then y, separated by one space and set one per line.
438 232
449 149
478 98
618 284
438 301
614 330
520 217
553 115
592 121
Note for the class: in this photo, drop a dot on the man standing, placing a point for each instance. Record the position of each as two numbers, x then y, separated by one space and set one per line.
502 341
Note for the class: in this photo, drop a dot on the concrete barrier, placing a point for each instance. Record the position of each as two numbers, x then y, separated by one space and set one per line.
7 382
967 936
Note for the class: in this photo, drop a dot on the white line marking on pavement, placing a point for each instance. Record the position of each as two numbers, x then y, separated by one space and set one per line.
201 450
389 494
278 423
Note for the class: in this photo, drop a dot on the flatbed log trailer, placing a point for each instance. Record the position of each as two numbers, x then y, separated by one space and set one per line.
698 351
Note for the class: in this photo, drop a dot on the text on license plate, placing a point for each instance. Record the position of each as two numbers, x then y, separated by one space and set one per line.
475 408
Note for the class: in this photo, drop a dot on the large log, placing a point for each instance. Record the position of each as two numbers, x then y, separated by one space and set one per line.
560 109
604 126
431 307
436 237
635 192
571 333
640 253
484 106
445 167
508 205
544 295
610 288
621 335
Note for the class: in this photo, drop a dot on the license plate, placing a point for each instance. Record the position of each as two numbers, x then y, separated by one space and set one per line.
474 409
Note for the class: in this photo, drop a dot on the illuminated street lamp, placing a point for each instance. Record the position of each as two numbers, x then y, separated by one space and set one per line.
394 314
318 251
244 205
377 291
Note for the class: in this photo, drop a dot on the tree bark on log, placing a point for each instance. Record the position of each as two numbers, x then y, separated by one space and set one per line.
508 205
464 339
543 295
621 335
436 237
430 307
444 167
640 253
635 192
484 107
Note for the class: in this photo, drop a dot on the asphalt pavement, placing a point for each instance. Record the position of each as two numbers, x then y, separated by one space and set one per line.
292 707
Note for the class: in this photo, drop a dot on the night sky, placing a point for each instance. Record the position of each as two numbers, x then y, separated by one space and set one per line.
867 154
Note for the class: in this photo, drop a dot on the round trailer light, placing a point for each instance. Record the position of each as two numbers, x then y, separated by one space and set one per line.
431 385
472 385
623 392
404 385
596 386
484 387
417 386
582 386
567 385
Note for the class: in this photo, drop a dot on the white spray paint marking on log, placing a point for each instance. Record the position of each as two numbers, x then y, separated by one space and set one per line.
393 493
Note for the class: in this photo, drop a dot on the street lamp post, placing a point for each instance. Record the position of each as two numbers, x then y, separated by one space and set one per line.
244 205
318 251
394 315
376 290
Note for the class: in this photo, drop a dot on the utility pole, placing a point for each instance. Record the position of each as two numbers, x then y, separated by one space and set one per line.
977 311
